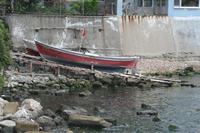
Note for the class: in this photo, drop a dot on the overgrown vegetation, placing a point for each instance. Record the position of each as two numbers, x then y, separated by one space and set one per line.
5 45
85 7
80 7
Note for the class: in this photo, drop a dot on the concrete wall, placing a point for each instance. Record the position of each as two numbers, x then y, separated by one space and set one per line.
186 33
102 33
154 35
147 35
111 36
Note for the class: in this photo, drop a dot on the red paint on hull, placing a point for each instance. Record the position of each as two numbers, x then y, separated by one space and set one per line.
33 52
76 57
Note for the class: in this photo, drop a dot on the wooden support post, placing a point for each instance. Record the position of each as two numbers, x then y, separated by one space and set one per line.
57 71
92 67
31 67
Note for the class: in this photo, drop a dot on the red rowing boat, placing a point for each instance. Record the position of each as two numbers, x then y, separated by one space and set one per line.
31 47
78 59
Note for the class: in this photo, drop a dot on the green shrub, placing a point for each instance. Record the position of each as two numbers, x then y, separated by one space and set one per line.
5 46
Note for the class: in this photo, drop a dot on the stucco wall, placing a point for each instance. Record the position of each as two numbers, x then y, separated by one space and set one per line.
186 33
147 35
102 33
154 35
111 36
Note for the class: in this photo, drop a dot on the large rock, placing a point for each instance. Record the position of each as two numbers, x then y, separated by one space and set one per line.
49 113
85 93
45 121
99 110
56 86
97 85
107 79
62 129
26 114
8 130
20 114
3 102
74 110
61 92
11 108
25 126
147 112
70 82
1 110
90 121
111 120
58 120
62 79
35 114
7 123
37 132
31 104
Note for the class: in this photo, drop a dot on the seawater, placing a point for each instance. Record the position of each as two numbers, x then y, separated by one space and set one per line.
178 106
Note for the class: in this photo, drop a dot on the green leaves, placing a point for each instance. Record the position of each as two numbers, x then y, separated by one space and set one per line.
84 7
5 43
91 7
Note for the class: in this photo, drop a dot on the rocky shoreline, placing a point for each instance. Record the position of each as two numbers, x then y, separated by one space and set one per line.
19 113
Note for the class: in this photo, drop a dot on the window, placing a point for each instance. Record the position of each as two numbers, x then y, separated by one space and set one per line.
140 3
190 3
186 3
163 2
176 2
160 3
147 3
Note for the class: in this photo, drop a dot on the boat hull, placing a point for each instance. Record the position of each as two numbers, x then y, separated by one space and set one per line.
77 59
31 47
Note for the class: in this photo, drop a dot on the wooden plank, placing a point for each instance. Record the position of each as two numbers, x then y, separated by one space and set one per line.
26 55
31 66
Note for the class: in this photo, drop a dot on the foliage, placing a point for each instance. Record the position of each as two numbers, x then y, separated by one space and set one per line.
173 127
33 6
5 43
52 10
84 7
91 7
80 7
176 85
77 6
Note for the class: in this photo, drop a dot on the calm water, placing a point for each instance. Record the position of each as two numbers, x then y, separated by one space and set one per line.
176 106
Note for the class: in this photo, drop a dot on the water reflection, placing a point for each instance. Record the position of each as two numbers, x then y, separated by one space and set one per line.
176 106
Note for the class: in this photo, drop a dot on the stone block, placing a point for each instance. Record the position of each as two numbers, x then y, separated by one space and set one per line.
37 132
26 126
147 112
31 104
11 108
7 123
90 121
8 130
45 121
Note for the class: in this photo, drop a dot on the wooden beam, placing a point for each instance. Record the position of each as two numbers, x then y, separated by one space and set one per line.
31 66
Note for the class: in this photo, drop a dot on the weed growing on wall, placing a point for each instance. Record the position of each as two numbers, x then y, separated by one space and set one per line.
5 45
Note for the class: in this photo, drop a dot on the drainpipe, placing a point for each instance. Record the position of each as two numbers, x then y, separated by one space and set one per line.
60 7
12 5
104 7
119 7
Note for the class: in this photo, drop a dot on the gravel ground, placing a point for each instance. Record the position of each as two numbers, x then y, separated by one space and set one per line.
161 66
